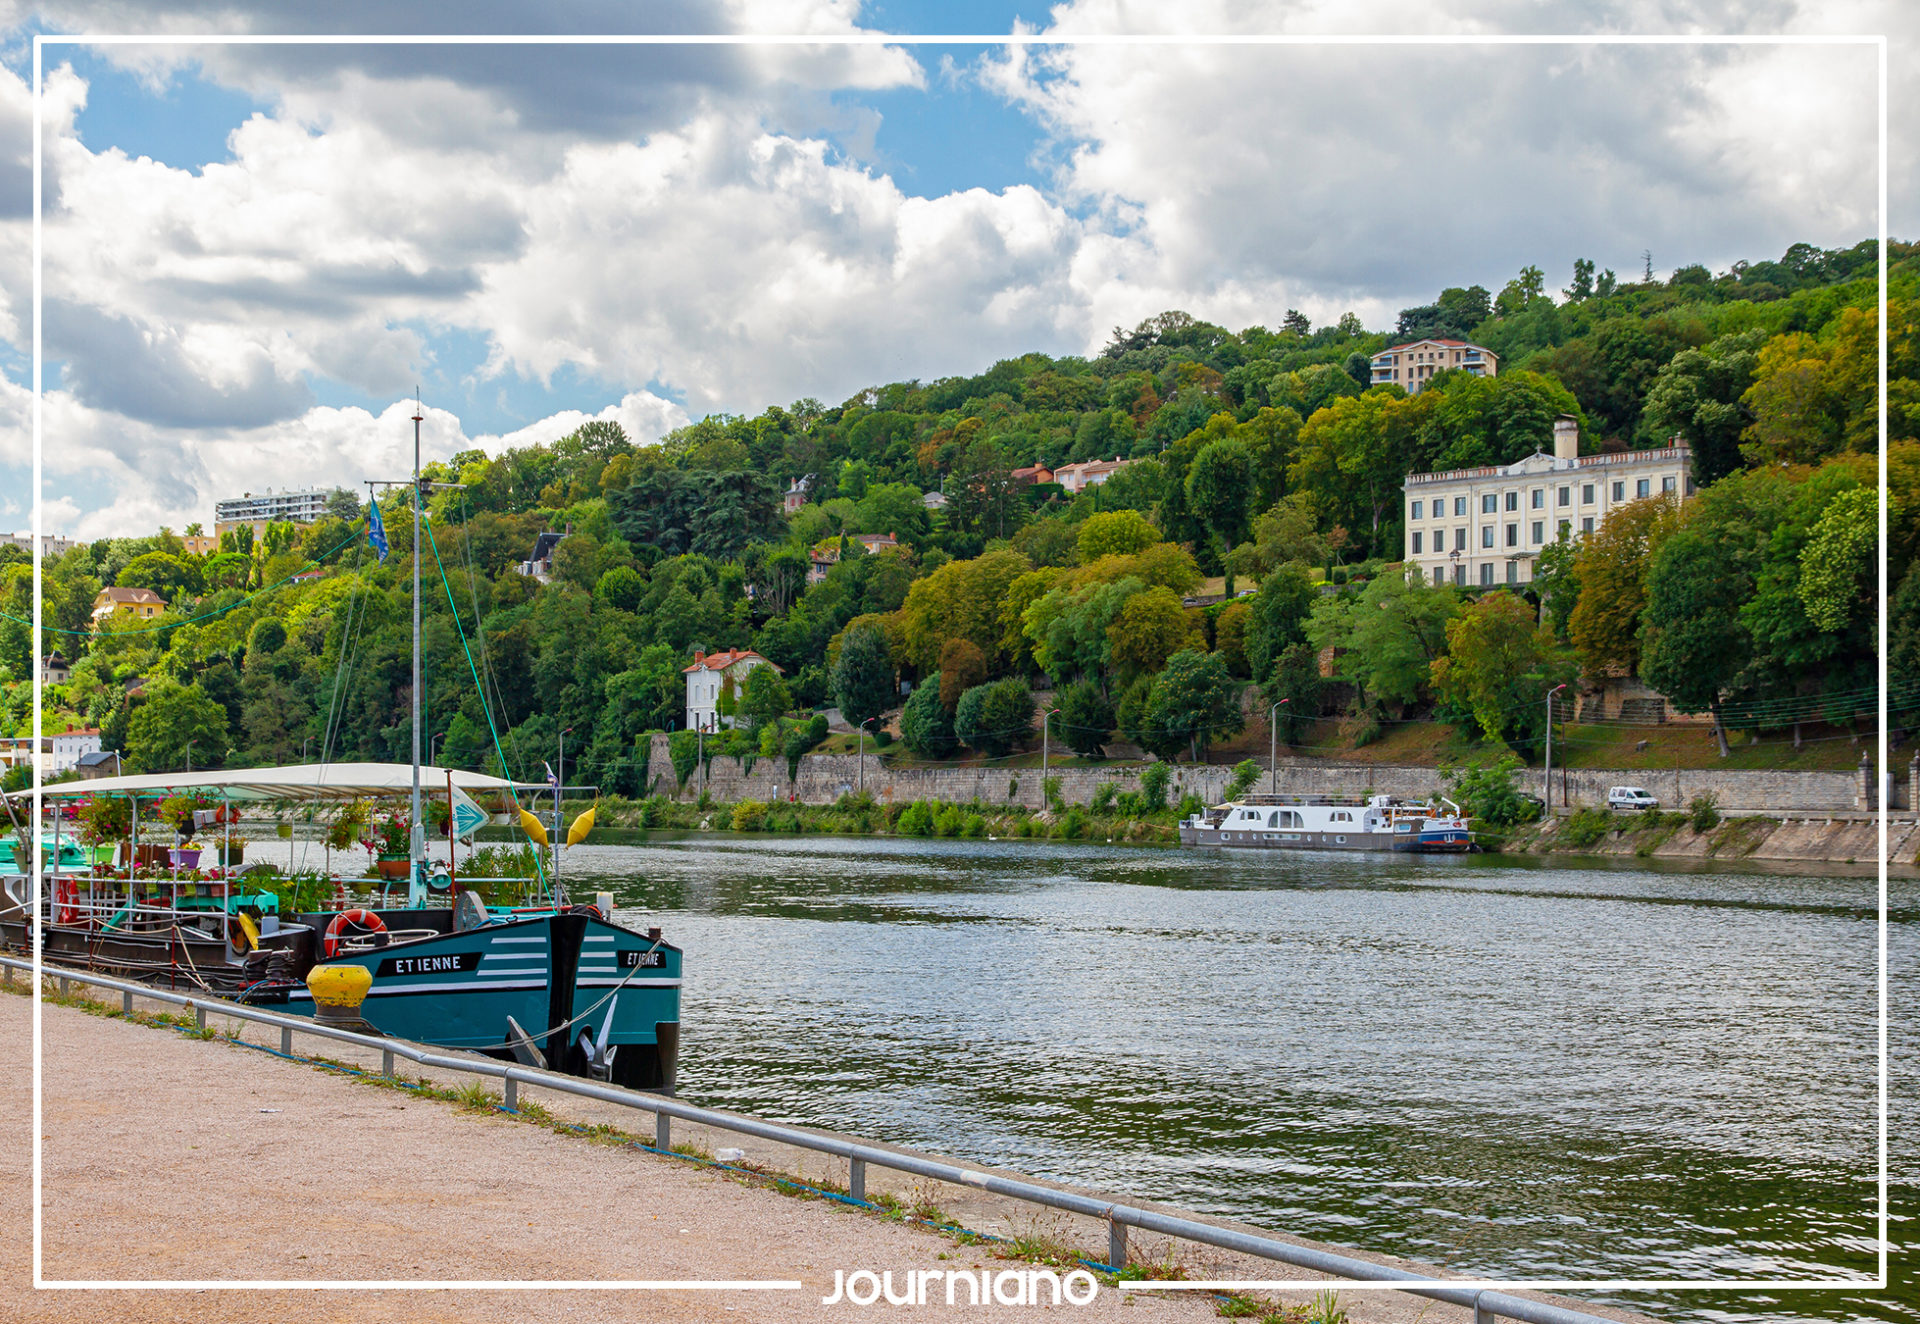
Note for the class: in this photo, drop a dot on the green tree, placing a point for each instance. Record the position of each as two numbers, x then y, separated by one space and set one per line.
926 727
1194 702
1837 564
961 599
175 723
1114 533
981 497
1500 665
1694 643
1220 490
994 718
1085 721
1699 396
1296 679
1611 565
1556 578
621 588
1355 455
764 699
1277 616
1389 635
863 680
171 577
1150 628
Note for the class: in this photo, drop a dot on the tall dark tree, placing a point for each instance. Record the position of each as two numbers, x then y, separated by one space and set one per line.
863 678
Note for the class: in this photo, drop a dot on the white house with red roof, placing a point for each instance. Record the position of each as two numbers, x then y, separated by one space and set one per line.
70 744
707 679
1410 365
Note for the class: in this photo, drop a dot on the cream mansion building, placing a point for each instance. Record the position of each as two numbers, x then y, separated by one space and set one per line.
1481 527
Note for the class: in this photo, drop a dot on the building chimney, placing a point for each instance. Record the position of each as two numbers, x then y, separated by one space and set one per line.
699 656
1566 438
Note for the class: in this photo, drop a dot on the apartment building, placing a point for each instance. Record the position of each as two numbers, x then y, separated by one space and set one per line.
1410 365
261 508
1485 526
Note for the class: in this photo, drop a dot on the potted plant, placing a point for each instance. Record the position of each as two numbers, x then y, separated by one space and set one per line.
391 845
105 821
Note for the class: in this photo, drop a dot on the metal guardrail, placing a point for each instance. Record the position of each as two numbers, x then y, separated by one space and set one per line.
1487 1305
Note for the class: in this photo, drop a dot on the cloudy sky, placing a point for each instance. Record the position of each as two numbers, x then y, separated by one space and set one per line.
253 254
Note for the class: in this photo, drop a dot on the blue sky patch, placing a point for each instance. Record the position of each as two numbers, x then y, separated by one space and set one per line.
184 126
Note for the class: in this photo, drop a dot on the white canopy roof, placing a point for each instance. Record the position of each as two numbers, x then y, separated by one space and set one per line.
309 781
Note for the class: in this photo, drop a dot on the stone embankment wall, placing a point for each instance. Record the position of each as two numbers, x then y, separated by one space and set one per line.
1790 838
826 777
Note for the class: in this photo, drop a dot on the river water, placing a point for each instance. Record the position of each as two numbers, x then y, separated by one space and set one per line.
1507 1067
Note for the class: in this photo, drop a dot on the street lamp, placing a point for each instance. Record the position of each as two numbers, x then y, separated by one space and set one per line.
433 743
1273 745
1547 798
862 761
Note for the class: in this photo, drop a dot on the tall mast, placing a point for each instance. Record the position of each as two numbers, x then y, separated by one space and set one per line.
417 846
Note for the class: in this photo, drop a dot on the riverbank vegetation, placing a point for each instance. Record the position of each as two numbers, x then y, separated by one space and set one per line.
1112 819
933 535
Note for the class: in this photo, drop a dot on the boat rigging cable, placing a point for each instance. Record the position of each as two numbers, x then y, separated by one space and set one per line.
493 731
489 681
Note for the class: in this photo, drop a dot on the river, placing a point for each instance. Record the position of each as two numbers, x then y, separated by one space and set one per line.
1511 1068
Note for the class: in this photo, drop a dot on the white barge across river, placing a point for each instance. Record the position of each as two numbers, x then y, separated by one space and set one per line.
1373 822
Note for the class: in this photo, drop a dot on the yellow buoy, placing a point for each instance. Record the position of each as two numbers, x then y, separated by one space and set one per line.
581 826
339 986
534 828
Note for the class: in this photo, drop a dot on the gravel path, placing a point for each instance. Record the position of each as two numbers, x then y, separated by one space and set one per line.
168 1157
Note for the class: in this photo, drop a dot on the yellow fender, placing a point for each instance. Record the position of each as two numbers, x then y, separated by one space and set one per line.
248 931
534 828
581 826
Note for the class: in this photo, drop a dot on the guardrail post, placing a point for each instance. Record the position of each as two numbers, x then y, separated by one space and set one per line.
199 1018
126 1004
386 1061
286 1040
1116 1244
510 1095
662 1131
1481 1315
857 1178
66 986
8 976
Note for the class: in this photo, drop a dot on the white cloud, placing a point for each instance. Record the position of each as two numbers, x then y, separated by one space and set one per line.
682 217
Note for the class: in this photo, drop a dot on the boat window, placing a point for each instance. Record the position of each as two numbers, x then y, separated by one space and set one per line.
1273 819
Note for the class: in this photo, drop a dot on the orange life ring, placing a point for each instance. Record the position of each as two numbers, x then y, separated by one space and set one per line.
66 901
360 919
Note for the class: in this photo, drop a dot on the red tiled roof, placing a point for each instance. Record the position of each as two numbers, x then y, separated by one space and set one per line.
724 661
117 594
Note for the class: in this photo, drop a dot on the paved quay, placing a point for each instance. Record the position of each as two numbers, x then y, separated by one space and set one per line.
168 1157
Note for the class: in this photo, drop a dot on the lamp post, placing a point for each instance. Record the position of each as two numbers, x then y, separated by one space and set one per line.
1547 787
1273 746
862 761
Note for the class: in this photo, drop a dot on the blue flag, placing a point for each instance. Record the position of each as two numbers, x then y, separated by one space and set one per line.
376 531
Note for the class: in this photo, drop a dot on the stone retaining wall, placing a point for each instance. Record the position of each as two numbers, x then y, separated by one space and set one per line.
826 777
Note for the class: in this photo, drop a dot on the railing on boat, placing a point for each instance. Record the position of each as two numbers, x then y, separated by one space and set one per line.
1487 1304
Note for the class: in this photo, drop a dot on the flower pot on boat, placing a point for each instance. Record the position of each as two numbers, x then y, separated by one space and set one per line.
392 866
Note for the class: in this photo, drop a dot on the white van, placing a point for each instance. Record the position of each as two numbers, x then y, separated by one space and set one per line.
1630 797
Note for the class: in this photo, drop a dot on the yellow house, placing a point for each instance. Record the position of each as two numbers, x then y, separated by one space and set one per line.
117 601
